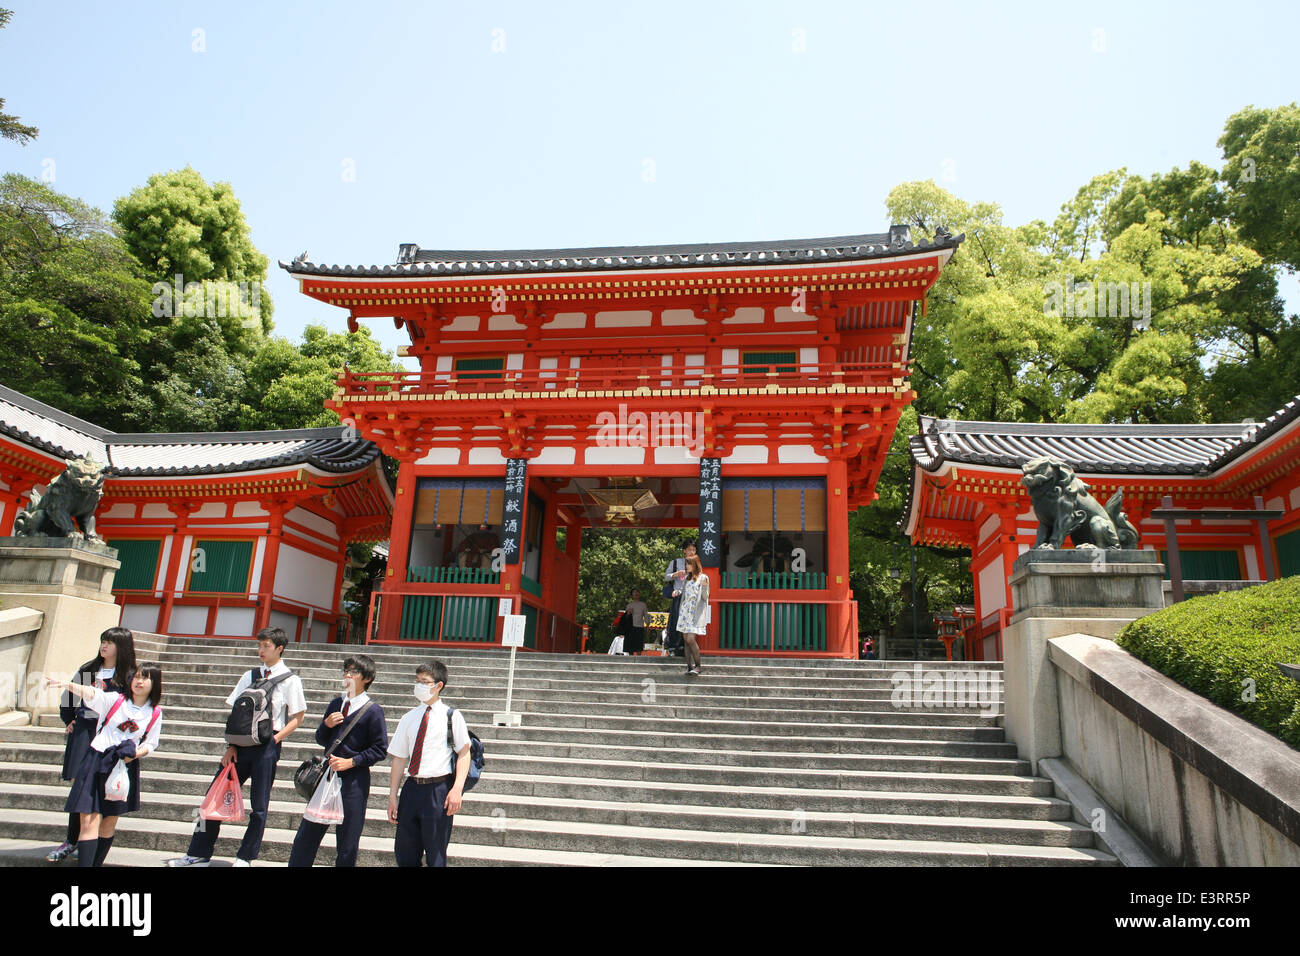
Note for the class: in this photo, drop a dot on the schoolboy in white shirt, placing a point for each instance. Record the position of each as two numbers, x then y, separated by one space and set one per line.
421 772
288 707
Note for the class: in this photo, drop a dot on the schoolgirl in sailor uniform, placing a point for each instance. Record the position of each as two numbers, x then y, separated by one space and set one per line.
107 672
130 727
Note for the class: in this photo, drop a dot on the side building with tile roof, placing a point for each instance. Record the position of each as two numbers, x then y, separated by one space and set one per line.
966 493
219 533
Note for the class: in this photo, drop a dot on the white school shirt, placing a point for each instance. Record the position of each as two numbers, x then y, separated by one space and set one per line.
675 565
102 675
352 703
287 697
435 758
112 734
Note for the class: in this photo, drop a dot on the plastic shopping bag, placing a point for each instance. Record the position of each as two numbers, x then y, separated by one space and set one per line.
118 784
326 804
616 645
225 801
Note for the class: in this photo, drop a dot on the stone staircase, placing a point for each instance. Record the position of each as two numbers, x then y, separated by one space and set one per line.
621 761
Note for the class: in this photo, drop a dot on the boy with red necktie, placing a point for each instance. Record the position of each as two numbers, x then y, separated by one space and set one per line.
430 794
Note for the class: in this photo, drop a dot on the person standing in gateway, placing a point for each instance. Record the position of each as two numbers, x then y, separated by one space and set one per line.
673 578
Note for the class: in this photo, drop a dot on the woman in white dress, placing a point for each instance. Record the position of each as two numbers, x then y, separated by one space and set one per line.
693 615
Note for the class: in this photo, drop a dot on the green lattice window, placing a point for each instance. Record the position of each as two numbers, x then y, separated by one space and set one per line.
220 566
139 560
757 363
480 367
1206 565
1288 553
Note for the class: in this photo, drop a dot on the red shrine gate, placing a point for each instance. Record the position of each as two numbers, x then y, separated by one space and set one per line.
747 391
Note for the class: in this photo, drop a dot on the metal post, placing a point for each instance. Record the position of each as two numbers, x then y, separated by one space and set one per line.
510 681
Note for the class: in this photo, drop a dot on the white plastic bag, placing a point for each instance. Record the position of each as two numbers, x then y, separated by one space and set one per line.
616 645
118 784
326 804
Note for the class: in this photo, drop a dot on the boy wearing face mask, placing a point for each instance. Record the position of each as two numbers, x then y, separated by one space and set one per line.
365 744
429 792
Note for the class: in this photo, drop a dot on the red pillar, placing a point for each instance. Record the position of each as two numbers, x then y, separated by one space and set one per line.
399 549
266 584
175 561
837 557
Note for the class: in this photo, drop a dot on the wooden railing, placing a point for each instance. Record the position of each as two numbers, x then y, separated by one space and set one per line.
469 384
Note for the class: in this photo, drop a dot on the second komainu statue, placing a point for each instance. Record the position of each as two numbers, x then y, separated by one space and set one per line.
1065 508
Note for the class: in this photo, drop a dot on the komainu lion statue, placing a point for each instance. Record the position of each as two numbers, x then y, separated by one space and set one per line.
70 500
1065 508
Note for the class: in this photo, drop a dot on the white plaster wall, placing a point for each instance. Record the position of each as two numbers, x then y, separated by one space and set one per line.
155 510
164 556
304 577
141 617
486 456
1251 554
189 620
320 632
566 320
993 587
122 509
503 323
556 455
212 509
798 455
248 509
313 521
747 455
615 456
259 558
441 456
623 320
989 528
235 621
515 360
287 621
183 571
745 316
681 317
675 455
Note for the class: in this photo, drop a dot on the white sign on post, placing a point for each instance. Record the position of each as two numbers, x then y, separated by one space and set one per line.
512 635
505 606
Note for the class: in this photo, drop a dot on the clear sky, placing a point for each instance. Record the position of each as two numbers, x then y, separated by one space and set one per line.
348 128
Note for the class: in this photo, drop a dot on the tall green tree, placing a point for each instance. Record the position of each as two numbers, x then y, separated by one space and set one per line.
74 307
10 126
1261 177
179 225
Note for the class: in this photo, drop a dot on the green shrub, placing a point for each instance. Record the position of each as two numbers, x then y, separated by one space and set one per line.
1215 645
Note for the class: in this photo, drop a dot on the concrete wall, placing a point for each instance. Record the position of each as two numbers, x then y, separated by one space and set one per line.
1199 785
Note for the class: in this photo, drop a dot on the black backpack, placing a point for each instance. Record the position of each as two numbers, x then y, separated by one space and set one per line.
250 721
475 754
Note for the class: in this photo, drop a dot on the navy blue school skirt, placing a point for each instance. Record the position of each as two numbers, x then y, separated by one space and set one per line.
77 744
87 794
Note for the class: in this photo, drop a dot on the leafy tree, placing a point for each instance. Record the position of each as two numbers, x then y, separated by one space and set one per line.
286 385
10 127
616 560
177 224
74 306
1262 180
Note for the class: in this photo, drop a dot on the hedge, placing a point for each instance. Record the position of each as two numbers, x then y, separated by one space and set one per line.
1226 647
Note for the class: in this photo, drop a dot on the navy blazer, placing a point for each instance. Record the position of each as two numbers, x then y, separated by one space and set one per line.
366 743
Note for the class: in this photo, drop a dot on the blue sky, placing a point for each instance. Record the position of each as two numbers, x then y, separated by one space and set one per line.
348 128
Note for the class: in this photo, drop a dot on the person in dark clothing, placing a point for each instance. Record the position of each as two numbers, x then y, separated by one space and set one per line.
366 744
108 673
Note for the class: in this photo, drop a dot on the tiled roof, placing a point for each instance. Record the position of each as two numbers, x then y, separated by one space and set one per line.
414 261
1094 449
141 455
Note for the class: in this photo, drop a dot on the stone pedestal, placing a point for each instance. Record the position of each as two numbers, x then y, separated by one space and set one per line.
1055 593
70 582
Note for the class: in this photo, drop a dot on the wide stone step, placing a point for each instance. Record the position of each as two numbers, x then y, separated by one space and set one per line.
683 773
229 670
301 747
701 710
502 811
604 838
195 776
134 848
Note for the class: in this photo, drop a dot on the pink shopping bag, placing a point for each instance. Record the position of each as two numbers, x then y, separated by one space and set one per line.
225 800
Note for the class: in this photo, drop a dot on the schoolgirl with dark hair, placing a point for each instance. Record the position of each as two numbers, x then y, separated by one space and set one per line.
106 672
130 726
